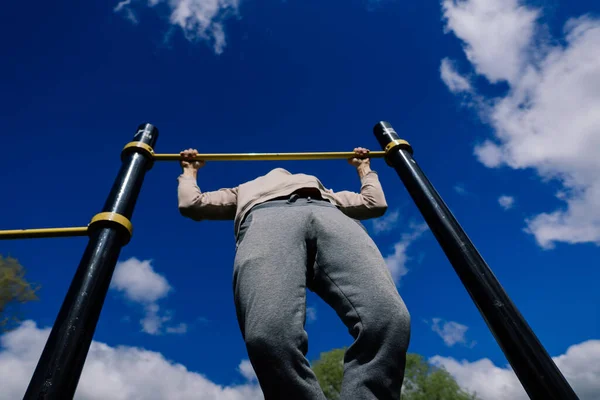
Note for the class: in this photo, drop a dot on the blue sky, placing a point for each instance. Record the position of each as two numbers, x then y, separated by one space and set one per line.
497 99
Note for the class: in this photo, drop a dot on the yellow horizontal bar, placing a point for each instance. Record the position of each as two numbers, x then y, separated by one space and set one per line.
43 233
269 156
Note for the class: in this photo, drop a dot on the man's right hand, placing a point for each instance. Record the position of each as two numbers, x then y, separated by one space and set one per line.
188 164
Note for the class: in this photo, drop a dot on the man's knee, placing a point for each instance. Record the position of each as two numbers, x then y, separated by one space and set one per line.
399 321
389 323
274 338
260 343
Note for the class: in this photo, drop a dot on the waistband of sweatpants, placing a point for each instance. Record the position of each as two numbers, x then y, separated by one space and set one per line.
293 200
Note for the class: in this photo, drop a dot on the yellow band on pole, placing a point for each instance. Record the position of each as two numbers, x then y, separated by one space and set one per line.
138 146
398 143
268 156
113 217
43 233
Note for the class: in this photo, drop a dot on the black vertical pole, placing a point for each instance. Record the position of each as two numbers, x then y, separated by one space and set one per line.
62 360
532 364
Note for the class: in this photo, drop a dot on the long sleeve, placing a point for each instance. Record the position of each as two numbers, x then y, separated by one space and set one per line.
216 205
369 203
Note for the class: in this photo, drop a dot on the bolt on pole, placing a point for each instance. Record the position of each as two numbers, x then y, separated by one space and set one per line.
533 366
59 367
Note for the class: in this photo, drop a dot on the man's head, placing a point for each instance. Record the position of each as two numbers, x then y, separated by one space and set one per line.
279 171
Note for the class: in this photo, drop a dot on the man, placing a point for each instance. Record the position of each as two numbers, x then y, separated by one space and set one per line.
291 234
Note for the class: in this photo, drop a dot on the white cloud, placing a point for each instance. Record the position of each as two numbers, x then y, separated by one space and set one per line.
141 284
489 154
181 328
496 34
123 7
198 19
454 80
580 365
385 223
548 119
116 373
138 280
152 322
311 314
451 332
396 262
131 373
506 202
245 368
460 189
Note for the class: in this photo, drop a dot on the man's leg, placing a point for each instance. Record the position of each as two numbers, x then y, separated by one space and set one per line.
352 277
270 274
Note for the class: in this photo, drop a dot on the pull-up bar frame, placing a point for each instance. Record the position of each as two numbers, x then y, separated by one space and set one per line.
145 149
269 156
59 368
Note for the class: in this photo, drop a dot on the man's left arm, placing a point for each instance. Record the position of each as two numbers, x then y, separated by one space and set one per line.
370 202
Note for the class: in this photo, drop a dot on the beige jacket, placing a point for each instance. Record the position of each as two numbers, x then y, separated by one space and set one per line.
234 204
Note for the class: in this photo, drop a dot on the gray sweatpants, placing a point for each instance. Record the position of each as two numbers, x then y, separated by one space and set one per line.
284 247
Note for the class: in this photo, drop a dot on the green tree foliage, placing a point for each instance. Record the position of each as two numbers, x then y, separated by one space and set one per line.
329 370
14 290
422 381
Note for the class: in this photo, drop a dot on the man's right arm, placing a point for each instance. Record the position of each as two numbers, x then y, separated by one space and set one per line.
217 205
193 204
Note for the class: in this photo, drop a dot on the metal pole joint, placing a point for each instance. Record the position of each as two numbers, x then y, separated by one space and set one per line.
139 147
104 218
396 144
